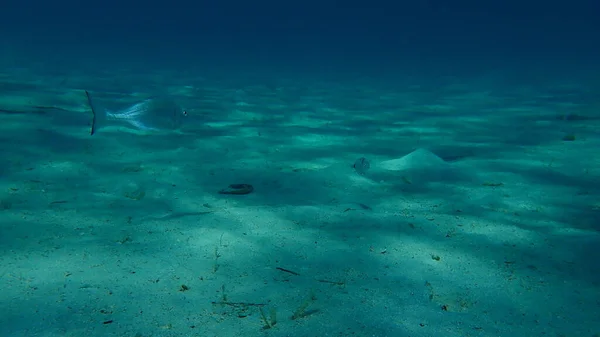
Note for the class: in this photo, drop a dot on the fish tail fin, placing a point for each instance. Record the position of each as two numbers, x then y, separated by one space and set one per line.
96 113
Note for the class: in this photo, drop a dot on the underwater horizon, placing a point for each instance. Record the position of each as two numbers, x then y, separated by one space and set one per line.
422 168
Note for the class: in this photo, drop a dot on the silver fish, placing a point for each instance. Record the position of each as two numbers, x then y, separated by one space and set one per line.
153 114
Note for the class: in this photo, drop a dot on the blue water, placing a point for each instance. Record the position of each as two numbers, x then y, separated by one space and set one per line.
475 210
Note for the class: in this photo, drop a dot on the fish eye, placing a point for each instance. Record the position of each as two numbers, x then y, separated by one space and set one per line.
185 112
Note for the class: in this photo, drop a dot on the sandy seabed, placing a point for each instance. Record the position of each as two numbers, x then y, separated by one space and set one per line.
479 214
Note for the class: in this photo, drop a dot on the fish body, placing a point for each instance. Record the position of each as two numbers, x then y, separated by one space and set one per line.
153 114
